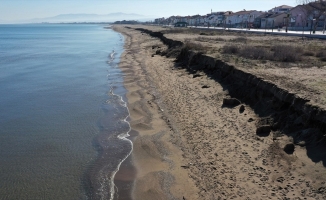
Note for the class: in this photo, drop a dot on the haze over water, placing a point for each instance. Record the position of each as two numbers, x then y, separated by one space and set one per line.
61 108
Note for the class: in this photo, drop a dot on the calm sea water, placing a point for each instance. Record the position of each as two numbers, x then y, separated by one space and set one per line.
62 111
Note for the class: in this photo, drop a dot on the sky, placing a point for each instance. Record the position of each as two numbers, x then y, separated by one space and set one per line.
15 10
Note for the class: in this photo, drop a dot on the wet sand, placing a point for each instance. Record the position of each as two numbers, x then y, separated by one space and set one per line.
190 146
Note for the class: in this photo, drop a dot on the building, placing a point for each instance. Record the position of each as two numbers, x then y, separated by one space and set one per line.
242 19
277 20
281 9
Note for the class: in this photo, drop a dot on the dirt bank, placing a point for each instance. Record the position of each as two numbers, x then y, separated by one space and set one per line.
209 130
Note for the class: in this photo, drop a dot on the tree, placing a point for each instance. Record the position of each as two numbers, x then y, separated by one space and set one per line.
316 9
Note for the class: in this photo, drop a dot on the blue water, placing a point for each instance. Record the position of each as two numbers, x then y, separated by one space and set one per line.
62 111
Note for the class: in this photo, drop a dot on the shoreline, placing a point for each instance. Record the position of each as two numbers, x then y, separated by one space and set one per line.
193 145
153 155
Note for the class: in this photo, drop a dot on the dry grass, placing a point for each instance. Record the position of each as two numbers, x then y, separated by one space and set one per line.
195 46
239 40
283 53
286 53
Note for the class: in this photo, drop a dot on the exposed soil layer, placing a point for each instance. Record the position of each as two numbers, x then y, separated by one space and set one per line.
240 136
290 113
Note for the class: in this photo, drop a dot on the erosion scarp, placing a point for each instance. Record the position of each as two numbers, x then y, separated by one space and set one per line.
291 114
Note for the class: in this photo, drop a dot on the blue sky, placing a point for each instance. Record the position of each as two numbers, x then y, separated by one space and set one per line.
13 10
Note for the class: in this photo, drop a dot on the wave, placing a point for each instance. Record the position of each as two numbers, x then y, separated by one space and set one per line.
112 144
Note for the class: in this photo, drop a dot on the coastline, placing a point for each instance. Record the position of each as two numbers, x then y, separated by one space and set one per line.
192 146
157 161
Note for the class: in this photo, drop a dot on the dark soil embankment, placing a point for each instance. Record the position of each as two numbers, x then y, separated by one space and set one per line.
281 112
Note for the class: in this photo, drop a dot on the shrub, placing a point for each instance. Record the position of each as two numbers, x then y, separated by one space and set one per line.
231 49
253 52
194 46
286 53
321 54
219 39
308 53
202 39
240 40
323 59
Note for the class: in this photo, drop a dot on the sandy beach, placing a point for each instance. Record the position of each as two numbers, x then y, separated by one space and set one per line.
191 145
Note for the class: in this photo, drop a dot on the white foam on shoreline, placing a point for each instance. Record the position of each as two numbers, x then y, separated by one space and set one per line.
122 136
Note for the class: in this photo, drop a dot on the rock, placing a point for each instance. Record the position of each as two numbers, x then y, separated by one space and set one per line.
263 130
289 148
231 102
241 109
250 120
205 86
158 52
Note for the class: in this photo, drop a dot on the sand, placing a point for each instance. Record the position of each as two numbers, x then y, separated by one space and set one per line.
190 146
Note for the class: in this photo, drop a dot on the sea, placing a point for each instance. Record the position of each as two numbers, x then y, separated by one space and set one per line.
64 129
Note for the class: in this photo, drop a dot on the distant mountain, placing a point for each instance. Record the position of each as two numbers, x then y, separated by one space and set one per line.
112 17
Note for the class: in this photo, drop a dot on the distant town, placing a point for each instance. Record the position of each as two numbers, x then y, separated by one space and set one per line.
310 16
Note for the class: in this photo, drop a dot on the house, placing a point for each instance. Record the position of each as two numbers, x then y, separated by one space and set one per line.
258 20
193 20
306 16
281 9
216 18
211 19
243 18
277 20
159 20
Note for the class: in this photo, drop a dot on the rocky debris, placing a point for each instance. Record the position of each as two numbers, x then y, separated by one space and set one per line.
205 86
